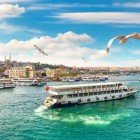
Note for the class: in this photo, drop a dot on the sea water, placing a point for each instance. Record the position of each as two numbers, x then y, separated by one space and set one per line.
23 116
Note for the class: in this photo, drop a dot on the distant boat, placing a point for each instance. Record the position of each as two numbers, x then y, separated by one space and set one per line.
70 80
28 82
6 83
86 78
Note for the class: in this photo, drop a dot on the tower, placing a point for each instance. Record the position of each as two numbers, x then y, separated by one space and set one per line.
5 58
10 57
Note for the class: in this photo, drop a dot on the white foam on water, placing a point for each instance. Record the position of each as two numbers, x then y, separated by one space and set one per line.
40 109
96 120
41 112
122 115
85 119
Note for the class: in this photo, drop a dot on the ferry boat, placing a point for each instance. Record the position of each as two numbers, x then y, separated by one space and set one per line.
6 83
66 95
87 79
70 80
28 82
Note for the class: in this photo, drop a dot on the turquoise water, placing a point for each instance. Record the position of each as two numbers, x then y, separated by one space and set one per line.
23 117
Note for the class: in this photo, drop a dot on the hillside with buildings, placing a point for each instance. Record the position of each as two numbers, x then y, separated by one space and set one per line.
14 69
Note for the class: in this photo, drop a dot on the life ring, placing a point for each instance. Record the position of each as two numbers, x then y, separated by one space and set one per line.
105 98
113 96
69 102
79 101
88 100
97 99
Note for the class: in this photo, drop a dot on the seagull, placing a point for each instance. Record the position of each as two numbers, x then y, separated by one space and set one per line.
122 39
40 50
84 59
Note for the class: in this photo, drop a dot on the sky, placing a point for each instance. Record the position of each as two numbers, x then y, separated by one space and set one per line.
69 30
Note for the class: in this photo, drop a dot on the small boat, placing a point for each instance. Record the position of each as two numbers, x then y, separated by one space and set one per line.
28 82
6 83
88 79
71 80
64 79
102 79
77 79
67 95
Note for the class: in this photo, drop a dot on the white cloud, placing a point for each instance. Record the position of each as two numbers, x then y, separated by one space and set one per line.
15 1
135 52
10 11
50 6
6 28
67 48
127 5
130 62
101 17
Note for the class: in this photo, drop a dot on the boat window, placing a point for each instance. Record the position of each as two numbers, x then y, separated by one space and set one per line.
75 95
60 96
116 91
120 84
112 91
85 94
104 92
124 89
69 95
103 86
91 93
81 94
108 91
99 93
54 96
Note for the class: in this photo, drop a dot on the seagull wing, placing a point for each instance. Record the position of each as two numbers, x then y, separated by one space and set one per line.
109 44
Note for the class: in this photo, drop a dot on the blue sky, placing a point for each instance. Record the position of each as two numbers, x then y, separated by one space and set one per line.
82 27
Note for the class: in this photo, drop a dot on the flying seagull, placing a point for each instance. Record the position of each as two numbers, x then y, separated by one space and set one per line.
84 59
122 39
40 50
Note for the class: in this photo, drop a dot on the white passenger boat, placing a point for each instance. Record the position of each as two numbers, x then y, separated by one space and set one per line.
28 82
86 93
6 83
88 79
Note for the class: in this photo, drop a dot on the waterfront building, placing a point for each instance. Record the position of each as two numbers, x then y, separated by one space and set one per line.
50 73
17 72
21 72
30 72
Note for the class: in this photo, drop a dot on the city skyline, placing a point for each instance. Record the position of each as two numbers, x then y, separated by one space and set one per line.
68 31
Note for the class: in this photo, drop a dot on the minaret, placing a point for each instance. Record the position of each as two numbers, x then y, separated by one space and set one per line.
5 58
10 57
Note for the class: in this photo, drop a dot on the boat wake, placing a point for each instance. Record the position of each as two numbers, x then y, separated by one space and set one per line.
96 120
39 111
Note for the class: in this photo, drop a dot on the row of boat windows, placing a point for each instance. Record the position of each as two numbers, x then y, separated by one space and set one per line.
87 94
92 93
87 88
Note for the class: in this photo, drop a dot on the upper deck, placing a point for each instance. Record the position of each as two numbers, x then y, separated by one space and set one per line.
85 85
79 87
